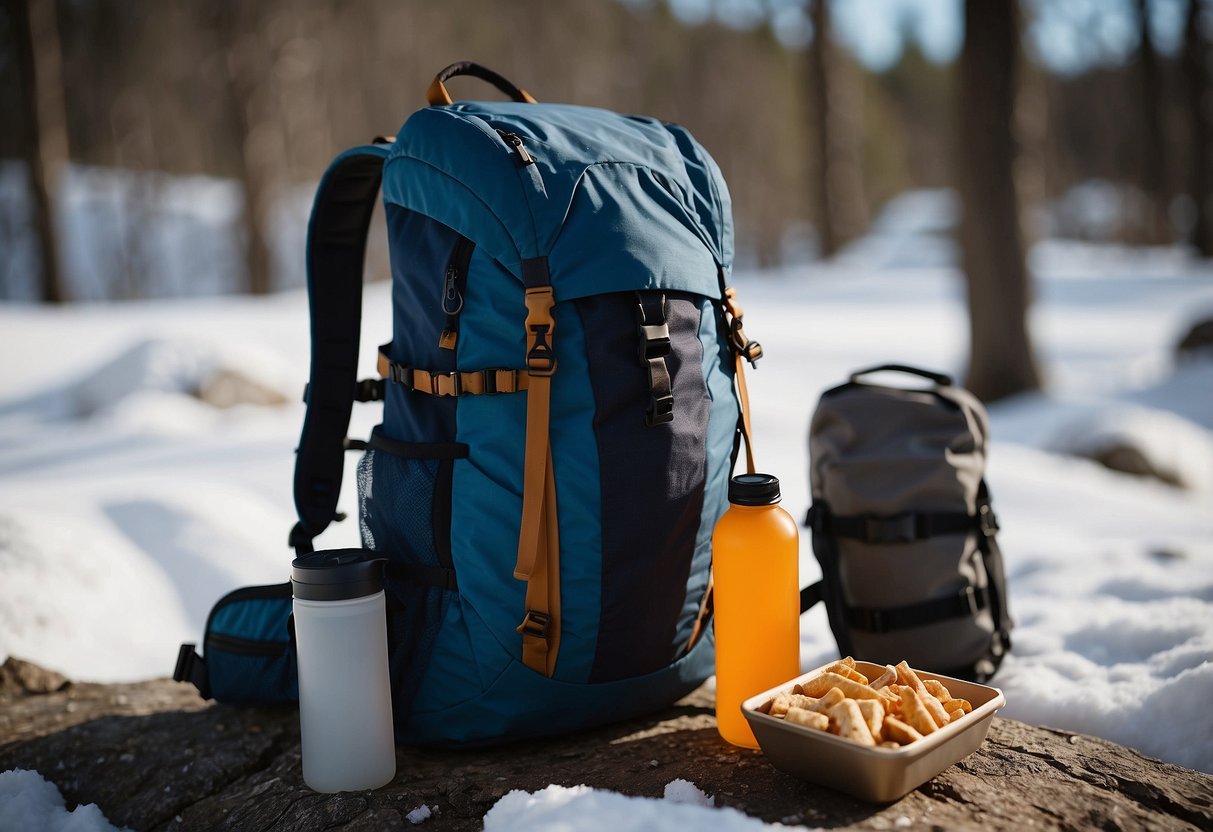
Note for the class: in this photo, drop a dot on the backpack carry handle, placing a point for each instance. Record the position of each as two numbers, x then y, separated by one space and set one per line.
941 379
437 94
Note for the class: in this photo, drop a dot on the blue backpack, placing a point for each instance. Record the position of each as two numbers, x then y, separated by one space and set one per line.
562 410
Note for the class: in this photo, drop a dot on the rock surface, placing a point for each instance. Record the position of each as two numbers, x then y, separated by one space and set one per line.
153 756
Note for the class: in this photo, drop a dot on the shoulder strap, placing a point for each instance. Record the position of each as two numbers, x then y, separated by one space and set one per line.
336 245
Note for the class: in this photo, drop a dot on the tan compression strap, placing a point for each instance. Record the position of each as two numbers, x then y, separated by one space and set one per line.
540 627
464 383
538 537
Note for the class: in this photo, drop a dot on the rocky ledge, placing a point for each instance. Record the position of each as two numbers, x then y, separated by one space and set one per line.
154 756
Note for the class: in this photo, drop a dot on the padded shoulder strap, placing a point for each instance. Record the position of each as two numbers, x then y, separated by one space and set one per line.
336 245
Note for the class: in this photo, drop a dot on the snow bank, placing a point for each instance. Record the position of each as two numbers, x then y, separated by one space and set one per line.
29 802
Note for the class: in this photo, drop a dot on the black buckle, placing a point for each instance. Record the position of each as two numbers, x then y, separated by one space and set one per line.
490 381
655 341
896 528
987 522
661 410
401 375
540 359
185 662
751 351
369 390
535 624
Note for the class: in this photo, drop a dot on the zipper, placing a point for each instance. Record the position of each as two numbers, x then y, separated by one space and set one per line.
454 285
515 141
244 646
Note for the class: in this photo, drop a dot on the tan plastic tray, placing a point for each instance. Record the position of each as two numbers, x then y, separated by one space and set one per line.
878 775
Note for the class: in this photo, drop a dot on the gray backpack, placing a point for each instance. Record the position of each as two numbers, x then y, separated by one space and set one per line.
903 527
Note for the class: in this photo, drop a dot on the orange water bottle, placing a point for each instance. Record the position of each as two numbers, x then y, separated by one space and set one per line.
755 563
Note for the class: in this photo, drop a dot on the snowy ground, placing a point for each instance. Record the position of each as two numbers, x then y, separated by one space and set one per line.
127 506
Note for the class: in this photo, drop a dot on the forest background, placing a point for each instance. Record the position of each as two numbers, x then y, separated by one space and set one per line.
1089 119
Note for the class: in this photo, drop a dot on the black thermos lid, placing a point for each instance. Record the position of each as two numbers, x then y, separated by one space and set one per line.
754 490
337 575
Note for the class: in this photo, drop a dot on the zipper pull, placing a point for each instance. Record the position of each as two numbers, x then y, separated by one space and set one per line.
452 301
515 141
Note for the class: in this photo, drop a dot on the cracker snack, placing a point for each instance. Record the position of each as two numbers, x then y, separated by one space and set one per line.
894 709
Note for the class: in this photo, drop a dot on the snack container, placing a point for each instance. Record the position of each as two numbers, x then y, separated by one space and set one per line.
877 775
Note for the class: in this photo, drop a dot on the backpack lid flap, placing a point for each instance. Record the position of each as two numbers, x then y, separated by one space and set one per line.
597 193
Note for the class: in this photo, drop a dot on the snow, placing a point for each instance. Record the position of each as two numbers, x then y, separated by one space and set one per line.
27 801
128 504
564 808
419 815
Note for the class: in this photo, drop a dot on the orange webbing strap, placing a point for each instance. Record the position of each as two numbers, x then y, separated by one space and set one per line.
540 627
751 351
538 538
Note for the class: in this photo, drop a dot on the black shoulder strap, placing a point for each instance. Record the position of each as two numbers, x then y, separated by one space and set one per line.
336 245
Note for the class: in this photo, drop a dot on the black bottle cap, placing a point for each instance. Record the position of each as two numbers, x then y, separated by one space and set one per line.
754 490
337 575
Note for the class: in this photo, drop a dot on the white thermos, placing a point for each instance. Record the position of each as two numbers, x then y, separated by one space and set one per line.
345 698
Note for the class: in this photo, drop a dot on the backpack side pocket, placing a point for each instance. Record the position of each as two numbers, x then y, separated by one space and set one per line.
404 514
248 649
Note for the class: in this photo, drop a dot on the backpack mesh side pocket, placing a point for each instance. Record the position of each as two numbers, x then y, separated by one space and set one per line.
404 510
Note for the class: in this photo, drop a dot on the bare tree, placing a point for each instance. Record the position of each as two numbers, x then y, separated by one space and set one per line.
1001 361
1153 143
837 184
44 143
1195 59
240 29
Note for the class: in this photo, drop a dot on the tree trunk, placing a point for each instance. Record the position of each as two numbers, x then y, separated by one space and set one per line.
1001 362
44 143
1154 222
837 183
819 113
241 37
1195 61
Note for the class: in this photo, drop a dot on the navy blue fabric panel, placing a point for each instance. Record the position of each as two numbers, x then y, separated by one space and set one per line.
652 481
420 249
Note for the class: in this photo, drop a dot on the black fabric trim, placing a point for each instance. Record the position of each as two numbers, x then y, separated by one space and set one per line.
416 450
964 604
442 577
535 273
245 646
440 513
